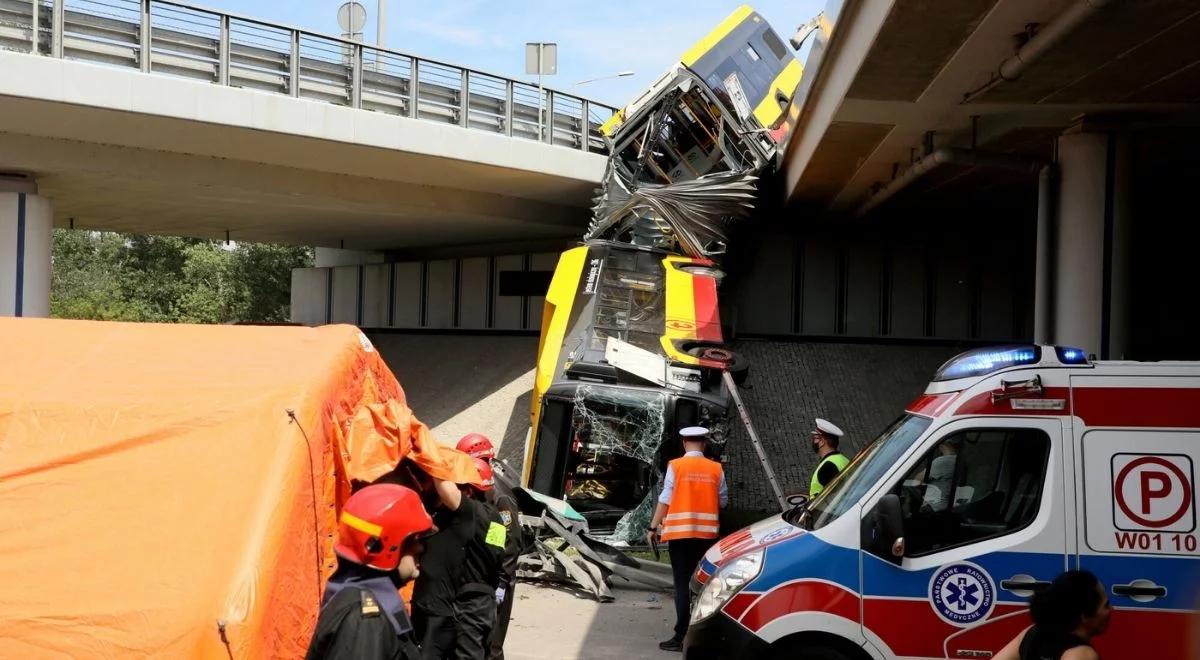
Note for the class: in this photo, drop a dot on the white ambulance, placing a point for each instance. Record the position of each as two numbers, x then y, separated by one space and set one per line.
1017 463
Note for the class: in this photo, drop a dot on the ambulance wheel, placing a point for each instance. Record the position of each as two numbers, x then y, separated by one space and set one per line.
813 653
816 646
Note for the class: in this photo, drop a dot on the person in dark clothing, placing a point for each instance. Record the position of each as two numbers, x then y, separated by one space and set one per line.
454 605
362 614
1066 617
478 445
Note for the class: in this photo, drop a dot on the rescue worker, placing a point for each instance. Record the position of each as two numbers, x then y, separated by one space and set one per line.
454 602
687 517
825 440
478 445
379 541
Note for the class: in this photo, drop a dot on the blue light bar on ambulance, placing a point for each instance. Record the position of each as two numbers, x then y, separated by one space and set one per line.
1069 355
982 361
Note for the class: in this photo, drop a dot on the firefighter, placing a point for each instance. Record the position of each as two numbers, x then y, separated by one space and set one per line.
379 541
454 602
687 518
478 445
825 440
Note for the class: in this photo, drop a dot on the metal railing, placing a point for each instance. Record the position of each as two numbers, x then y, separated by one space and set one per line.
177 39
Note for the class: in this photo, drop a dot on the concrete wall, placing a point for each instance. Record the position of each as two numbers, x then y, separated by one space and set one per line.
865 283
439 294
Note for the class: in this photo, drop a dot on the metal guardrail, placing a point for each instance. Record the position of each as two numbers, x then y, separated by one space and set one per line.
177 39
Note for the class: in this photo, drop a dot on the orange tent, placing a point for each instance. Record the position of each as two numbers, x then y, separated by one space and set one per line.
173 490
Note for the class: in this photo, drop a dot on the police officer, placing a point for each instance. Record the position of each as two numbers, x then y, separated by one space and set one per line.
454 606
825 440
379 540
688 518
478 445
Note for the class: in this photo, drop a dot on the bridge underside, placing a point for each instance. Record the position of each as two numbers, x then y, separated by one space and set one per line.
120 150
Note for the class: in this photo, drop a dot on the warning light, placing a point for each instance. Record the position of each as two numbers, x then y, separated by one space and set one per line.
982 361
1069 355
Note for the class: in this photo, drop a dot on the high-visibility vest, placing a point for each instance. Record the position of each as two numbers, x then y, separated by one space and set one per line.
839 460
692 513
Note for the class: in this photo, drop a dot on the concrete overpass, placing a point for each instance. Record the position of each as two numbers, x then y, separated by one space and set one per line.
149 116
997 169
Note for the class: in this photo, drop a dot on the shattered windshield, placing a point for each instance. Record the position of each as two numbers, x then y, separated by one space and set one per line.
866 470
617 421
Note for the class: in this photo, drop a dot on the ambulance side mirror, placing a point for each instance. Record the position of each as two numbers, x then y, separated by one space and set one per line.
883 530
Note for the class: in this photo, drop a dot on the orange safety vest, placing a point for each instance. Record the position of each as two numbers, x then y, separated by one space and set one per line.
692 513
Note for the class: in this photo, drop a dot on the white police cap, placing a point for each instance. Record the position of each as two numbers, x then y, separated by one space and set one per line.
695 433
826 426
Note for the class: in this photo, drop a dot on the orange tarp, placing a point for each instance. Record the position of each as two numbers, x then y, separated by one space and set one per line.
172 490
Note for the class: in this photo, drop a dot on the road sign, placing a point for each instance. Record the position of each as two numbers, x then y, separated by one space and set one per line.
541 59
352 16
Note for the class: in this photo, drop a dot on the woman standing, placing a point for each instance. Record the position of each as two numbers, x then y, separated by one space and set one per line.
1066 617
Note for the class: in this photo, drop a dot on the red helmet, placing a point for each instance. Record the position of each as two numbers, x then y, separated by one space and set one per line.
477 445
487 478
376 522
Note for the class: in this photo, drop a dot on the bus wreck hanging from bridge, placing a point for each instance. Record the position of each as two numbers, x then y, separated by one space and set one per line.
632 346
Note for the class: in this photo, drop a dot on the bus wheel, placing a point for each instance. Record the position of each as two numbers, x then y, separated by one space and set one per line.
737 365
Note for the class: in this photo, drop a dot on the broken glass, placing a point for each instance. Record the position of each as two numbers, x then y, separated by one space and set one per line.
632 526
621 422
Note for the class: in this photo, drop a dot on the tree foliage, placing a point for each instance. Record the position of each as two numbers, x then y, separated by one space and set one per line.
108 276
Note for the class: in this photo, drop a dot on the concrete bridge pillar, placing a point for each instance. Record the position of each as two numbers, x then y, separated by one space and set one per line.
1091 244
26 219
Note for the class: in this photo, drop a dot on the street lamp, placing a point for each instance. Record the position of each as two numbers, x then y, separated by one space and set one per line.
619 74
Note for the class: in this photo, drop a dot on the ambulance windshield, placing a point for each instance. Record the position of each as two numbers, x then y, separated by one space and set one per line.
865 471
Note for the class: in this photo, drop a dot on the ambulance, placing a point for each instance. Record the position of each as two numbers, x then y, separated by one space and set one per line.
1017 463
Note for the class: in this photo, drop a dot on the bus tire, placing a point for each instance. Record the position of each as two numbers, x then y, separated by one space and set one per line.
735 363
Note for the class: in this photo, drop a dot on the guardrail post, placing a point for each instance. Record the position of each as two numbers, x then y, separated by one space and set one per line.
144 41
585 114
223 52
464 99
294 64
356 77
414 85
57 25
508 107
550 116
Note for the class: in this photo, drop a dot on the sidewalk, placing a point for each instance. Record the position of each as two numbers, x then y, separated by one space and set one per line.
549 622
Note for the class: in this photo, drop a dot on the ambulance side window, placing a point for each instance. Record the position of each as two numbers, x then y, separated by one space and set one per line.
973 485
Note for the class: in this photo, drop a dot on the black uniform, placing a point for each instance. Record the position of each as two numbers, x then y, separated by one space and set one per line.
362 616
454 606
510 517
1041 646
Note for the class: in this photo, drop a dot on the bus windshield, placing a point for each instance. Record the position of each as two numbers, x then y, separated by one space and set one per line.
865 471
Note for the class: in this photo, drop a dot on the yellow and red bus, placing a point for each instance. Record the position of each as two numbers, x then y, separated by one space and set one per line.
600 435
745 63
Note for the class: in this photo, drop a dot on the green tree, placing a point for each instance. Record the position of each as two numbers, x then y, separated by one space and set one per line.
109 276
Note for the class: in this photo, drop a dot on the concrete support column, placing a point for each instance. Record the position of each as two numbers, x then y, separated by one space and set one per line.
330 257
1090 273
26 219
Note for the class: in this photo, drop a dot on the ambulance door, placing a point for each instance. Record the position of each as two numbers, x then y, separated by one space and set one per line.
1138 455
958 539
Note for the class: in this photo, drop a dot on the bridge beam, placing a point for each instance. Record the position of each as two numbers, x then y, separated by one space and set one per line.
26 219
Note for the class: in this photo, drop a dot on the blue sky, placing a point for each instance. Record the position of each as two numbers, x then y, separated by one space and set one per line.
595 39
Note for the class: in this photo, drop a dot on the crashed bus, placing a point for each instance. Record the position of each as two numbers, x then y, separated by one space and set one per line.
631 345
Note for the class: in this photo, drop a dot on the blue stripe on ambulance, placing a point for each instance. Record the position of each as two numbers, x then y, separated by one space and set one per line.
1178 574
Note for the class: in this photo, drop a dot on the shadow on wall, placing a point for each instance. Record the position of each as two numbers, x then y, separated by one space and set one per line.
459 384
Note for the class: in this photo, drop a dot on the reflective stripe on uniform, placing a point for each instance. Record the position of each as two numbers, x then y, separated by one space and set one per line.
693 528
701 516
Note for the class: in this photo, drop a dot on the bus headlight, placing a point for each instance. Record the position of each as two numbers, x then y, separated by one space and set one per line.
727 581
